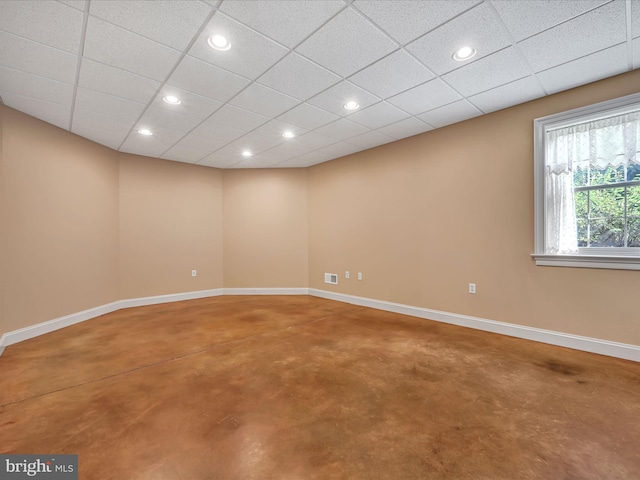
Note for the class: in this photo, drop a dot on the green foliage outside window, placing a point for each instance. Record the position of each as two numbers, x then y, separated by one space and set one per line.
608 217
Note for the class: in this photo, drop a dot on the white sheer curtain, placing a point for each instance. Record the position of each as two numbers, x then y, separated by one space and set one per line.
611 141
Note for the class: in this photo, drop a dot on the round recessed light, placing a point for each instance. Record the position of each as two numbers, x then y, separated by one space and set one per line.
351 105
145 131
464 53
171 100
288 134
247 153
218 42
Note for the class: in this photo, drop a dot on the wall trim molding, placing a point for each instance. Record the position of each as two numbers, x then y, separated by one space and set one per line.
266 291
38 329
576 342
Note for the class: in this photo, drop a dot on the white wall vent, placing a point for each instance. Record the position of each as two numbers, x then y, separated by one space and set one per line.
331 278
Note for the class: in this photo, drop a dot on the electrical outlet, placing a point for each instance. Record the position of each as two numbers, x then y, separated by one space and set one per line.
194 273
346 274
359 275
472 288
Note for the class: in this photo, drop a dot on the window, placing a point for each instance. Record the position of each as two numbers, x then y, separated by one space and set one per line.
587 186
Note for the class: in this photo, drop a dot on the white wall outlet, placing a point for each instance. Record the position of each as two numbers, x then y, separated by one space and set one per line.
346 274
194 273
359 275
472 288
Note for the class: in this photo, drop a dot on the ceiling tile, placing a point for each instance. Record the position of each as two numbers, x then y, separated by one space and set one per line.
254 143
120 48
281 152
171 120
478 28
36 87
341 129
53 113
77 4
427 96
298 77
525 18
103 130
596 66
263 100
370 139
115 81
489 72
378 115
190 103
306 160
192 148
204 79
286 21
31 57
47 22
391 75
250 55
238 118
219 132
333 99
405 20
327 45
218 160
108 105
405 128
570 40
153 146
275 129
340 149
307 116
508 95
635 19
168 22
314 141
452 113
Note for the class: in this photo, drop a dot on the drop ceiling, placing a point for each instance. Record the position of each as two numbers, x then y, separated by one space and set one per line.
100 69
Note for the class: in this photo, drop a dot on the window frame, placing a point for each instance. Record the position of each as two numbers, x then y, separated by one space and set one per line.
618 258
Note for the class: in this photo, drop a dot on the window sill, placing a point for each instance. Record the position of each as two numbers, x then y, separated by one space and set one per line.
589 261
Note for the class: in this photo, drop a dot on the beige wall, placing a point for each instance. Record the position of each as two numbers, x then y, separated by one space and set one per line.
60 222
265 228
82 225
3 327
424 217
170 223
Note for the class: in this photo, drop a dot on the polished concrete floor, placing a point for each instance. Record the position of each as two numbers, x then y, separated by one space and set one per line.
300 388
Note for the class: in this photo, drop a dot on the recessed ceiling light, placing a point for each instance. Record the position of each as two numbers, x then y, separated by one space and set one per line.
218 42
247 153
145 131
288 134
464 53
171 99
351 105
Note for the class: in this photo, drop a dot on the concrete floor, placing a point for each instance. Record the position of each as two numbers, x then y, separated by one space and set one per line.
297 387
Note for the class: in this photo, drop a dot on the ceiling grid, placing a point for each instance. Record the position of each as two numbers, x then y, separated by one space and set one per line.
101 69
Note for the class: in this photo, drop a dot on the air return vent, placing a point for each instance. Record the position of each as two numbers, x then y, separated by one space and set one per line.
331 278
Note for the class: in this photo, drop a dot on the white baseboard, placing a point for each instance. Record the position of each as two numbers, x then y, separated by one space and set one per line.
174 297
26 333
21 334
587 344
266 291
